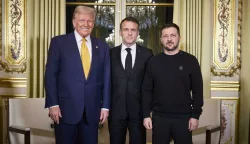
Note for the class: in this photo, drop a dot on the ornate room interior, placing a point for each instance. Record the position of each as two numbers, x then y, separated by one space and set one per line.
216 32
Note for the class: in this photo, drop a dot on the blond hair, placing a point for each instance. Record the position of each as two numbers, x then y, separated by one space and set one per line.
84 10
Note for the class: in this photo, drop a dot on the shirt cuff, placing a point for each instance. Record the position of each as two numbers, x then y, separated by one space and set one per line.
54 106
105 109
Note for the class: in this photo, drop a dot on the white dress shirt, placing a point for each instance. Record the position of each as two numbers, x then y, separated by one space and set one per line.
124 54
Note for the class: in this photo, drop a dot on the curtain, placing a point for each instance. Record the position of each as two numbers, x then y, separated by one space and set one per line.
45 19
195 19
244 110
187 14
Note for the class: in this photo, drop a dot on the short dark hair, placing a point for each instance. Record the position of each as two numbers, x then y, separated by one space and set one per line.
168 25
132 19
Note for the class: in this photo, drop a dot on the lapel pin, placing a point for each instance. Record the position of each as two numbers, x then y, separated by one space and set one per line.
96 46
181 67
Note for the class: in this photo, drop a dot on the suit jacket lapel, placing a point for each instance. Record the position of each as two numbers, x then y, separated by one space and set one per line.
95 50
137 59
118 54
77 58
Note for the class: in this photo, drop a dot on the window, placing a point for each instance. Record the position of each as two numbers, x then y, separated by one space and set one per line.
152 15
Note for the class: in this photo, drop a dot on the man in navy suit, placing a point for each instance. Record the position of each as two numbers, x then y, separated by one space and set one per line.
77 81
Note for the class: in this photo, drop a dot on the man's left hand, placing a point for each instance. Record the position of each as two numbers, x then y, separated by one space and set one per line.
193 124
104 116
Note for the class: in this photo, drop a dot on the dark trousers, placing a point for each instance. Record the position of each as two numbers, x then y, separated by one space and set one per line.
175 127
80 133
118 130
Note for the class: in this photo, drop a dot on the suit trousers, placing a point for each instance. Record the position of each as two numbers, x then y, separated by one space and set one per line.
118 131
175 127
80 133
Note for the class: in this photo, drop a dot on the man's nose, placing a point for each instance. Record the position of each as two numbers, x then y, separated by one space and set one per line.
169 39
129 32
85 23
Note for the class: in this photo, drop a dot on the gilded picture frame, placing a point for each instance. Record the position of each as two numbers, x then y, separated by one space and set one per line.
226 38
13 53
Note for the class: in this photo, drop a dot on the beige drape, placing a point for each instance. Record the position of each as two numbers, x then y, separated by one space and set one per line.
244 114
45 19
187 14
195 19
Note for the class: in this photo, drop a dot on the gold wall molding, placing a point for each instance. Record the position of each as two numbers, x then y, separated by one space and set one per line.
227 58
4 66
225 98
223 49
13 82
13 96
225 85
15 54
225 89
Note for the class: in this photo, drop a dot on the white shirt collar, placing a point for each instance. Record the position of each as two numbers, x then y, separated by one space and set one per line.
133 47
79 37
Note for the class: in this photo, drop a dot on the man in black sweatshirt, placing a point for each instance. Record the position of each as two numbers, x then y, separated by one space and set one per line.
173 91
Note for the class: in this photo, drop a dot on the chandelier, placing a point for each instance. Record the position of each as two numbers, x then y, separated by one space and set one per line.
105 15
144 14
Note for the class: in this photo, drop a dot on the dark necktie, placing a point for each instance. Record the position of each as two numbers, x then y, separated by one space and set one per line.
128 61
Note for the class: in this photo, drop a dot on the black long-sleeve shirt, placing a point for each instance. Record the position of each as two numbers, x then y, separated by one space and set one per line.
173 85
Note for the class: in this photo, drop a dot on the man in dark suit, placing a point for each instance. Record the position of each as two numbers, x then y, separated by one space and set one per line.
77 81
128 63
